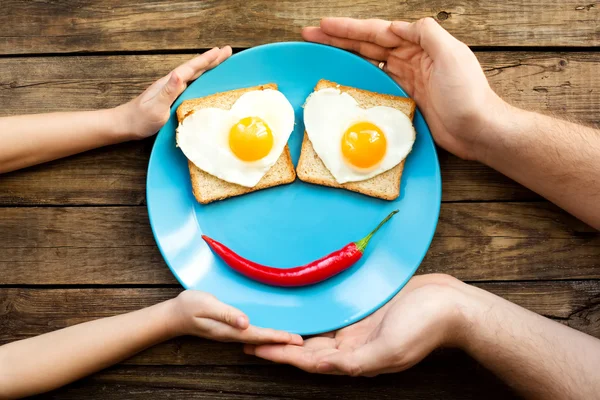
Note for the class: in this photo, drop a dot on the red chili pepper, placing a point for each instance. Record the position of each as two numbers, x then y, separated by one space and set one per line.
308 274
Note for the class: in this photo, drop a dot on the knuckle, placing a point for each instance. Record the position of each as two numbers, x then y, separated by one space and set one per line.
354 369
226 316
428 22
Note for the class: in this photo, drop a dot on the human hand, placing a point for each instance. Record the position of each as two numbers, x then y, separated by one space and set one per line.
429 312
438 71
147 113
201 314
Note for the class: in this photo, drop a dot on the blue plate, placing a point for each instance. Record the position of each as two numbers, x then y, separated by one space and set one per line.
293 224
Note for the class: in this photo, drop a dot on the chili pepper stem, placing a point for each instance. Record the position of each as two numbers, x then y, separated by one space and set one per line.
362 243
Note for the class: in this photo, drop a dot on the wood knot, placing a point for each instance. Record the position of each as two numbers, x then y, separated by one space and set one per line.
442 16
103 87
562 63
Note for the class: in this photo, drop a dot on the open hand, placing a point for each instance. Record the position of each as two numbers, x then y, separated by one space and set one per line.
201 314
148 112
438 71
426 314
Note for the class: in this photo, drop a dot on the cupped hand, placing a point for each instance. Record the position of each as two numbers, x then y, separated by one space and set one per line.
438 71
201 314
425 315
148 112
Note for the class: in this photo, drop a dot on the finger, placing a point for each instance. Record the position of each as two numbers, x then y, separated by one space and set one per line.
298 356
427 33
193 68
368 30
223 55
366 49
218 311
253 335
172 89
365 360
256 335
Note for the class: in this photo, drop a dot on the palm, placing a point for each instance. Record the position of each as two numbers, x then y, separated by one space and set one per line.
395 337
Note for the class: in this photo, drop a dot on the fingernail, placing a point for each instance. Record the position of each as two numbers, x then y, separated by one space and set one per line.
241 322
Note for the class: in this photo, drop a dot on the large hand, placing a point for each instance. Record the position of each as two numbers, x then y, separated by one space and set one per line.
426 314
439 72
201 314
148 112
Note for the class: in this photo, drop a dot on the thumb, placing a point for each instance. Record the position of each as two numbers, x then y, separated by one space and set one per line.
366 360
427 33
173 88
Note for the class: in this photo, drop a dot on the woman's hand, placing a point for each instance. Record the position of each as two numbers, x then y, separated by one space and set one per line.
201 314
148 112
425 315
439 72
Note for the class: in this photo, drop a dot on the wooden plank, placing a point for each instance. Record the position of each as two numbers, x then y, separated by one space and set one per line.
114 245
563 83
27 312
106 25
455 376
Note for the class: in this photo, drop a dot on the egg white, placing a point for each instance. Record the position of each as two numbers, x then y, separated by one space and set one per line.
204 136
328 113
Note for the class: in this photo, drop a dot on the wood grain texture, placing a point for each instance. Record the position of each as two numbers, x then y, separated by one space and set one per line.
563 84
114 245
26 312
106 25
29 312
446 375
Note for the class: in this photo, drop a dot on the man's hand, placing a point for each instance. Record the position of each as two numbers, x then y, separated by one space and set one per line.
201 314
439 72
148 112
425 315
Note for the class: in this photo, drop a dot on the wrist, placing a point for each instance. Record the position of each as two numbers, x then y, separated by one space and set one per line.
490 126
173 321
123 122
498 124
475 318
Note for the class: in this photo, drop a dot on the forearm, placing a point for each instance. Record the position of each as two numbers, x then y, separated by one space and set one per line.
538 357
555 158
52 360
33 139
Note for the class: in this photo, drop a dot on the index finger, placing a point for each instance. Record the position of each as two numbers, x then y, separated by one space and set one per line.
369 30
193 68
256 335
299 356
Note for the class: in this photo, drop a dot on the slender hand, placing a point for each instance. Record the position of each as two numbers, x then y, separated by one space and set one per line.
540 358
33 139
555 158
52 360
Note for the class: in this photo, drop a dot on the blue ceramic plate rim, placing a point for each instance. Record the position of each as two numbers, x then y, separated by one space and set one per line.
359 316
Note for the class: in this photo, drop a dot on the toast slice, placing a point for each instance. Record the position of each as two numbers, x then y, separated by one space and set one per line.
385 185
208 188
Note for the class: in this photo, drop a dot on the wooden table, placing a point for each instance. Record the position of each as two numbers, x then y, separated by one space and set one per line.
75 243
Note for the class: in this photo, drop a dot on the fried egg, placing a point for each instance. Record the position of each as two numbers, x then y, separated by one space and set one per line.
241 144
356 143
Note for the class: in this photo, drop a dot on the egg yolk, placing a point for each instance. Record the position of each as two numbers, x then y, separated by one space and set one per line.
250 139
364 145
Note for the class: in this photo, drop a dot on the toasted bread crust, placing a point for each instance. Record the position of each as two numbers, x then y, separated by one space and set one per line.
386 185
208 188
